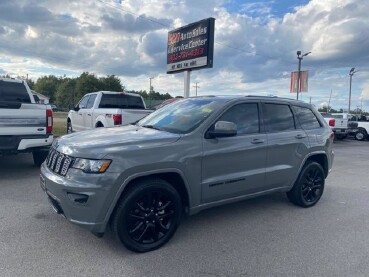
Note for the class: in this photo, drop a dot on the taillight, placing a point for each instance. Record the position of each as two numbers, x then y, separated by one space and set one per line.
332 122
49 121
117 119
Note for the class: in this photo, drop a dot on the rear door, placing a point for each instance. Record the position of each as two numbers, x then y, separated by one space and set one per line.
234 166
288 144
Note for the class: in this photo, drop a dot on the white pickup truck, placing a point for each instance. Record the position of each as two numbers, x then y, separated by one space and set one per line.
362 130
338 123
24 125
106 109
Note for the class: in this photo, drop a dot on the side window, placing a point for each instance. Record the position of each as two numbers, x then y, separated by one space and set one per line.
83 103
91 101
278 118
245 116
307 118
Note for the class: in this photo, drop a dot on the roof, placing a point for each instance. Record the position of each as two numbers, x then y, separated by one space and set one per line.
253 97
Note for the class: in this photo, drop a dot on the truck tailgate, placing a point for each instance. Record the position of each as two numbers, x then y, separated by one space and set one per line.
130 116
29 119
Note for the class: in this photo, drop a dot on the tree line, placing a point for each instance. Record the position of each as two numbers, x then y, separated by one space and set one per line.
65 91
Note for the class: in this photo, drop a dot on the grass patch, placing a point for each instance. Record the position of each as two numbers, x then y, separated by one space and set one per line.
60 128
60 115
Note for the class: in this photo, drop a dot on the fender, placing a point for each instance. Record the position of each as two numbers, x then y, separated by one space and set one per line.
143 174
100 118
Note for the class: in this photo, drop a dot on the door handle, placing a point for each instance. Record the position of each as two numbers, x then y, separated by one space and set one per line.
300 136
79 114
89 114
257 141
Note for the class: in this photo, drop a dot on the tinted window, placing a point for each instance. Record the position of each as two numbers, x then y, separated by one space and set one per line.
245 116
14 92
278 118
83 103
121 101
307 118
91 101
182 116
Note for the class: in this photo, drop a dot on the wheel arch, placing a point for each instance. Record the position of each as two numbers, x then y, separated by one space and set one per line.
174 177
320 159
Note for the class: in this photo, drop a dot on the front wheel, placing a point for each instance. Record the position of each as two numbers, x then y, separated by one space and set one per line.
69 127
147 216
309 187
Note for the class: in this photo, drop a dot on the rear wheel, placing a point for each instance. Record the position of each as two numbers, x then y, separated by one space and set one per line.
360 135
147 216
39 157
309 187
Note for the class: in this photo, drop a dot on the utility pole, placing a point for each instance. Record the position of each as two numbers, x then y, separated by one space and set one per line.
196 86
329 101
150 92
351 73
300 58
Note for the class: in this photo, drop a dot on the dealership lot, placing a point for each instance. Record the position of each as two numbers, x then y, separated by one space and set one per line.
267 236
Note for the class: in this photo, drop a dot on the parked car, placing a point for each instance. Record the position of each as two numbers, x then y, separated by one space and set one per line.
165 102
194 154
362 127
338 123
54 108
24 125
106 109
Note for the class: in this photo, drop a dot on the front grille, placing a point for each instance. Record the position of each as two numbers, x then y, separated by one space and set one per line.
58 162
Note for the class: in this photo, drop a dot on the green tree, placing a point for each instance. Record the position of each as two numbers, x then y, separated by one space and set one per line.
86 83
47 85
111 83
65 94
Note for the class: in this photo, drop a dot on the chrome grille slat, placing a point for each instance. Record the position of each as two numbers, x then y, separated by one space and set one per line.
58 162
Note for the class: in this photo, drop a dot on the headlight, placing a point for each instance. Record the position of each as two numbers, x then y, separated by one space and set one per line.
91 166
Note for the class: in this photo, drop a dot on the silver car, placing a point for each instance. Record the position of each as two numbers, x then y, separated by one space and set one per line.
188 156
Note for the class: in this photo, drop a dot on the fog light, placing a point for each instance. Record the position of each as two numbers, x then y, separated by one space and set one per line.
77 197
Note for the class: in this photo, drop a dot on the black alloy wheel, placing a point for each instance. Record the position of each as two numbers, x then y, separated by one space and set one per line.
309 187
148 216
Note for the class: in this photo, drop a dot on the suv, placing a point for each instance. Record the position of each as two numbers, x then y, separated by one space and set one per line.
191 155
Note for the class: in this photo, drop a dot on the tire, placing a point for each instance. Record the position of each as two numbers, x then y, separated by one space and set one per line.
309 186
147 216
39 157
69 127
360 135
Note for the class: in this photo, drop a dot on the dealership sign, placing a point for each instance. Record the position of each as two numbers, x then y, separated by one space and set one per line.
303 86
191 47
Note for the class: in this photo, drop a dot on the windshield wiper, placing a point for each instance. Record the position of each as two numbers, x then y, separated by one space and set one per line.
151 127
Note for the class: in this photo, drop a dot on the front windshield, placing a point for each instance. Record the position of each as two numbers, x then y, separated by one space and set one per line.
182 116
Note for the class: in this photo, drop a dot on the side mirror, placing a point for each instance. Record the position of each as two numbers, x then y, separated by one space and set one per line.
223 129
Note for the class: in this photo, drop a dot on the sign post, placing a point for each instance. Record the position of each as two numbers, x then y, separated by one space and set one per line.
191 47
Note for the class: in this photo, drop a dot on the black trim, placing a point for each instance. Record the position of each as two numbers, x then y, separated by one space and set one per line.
10 143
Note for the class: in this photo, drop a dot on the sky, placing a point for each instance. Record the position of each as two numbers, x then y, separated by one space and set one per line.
254 51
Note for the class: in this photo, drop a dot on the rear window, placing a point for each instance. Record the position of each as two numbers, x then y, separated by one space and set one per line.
121 101
14 92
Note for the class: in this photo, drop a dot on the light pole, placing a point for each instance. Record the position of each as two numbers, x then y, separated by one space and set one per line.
351 73
300 58
150 91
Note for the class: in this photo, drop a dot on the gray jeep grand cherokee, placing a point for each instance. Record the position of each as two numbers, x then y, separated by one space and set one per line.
191 155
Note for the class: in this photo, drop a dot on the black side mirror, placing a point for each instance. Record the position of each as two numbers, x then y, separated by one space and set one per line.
222 129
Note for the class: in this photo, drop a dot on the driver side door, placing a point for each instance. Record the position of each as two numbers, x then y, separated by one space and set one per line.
235 166
77 120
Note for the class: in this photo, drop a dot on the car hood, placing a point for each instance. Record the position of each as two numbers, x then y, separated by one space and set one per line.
100 142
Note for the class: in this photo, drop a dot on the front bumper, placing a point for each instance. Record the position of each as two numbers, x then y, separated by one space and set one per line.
83 199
